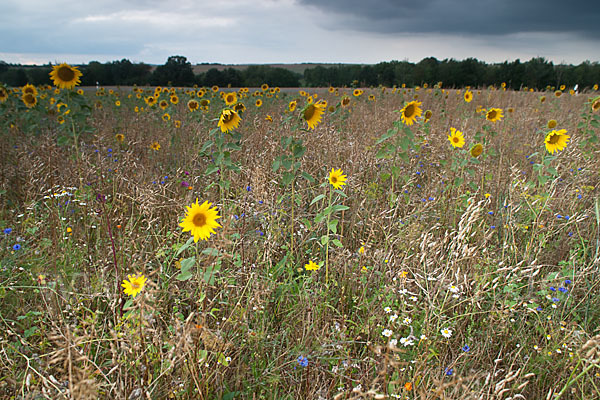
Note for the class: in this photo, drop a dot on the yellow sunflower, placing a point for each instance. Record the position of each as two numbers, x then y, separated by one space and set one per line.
595 87
562 87
151 100
204 103
133 285
193 105
229 120
3 94
542 99
468 96
166 117
230 98
264 87
556 140
174 99
155 146
118 103
163 104
558 93
239 108
80 92
411 112
371 97
177 124
596 105
215 88
65 76
200 220
60 119
29 89
311 266
258 103
357 92
428 114
331 89
312 114
476 150
345 102
551 124
292 105
29 100
494 114
120 137
337 179
456 138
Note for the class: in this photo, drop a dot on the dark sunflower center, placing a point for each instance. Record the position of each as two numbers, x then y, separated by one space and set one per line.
135 285
492 114
230 98
596 106
554 139
227 117
66 74
199 220
29 98
409 111
204 102
309 112
333 179
455 139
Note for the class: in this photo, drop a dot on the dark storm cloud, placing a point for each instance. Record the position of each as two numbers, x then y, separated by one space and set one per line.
482 17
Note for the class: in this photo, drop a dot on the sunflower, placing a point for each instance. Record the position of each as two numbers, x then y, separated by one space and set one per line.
155 146
542 99
174 99
118 103
229 120
410 112
204 103
230 98
556 140
292 105
80 92
494 114
595 87
476 150
133 285
163 104
166 117
428 114
345 101
3 94
215 88
311 266
331 89
562 87
177 124
323 103
60 119
371 97
264 87
150 100
551 124
303 93
258 103
558 93
200 220
29 100
239 108
596 105
456 138
468 96
269 118
29 89
193 105
331 109
312 114
357 92
120 137
336 178
64 76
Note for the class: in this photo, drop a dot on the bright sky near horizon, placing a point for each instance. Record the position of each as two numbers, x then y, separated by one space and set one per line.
296 31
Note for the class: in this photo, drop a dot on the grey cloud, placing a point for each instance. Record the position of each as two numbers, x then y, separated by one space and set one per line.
481 17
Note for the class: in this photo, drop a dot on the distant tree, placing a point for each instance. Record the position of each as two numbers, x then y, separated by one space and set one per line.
177 71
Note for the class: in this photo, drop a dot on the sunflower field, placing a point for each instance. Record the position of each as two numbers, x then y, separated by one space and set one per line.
331 243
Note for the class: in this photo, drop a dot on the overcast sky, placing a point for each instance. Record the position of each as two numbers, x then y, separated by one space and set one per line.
293 31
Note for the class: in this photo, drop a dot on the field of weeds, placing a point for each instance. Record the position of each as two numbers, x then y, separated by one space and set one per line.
214 243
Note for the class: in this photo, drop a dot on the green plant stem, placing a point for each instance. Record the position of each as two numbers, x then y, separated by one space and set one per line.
327 244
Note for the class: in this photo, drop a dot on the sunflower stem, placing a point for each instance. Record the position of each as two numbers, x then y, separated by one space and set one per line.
327 244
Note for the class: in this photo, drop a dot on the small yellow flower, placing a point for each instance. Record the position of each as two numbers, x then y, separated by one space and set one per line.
134 284
336 178
120 137
311 266
456 138
155 146
361 250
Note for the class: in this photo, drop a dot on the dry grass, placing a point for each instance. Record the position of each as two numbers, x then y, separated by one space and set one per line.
437 251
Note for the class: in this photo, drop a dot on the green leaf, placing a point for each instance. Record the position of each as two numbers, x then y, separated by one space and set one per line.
185 246
276 165
340 207
333 225
211 252
308 177
319 197
211 169
287 178
324 239
337 243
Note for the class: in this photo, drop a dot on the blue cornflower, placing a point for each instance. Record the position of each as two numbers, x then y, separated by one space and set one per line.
539 308
553 288
568 281
109 150
423 200
260 202
431 198
555 299
236 217
419 186
491 212
466 348
449 371
570 234
558 216
493 227
405 191
418 172
567 217
17 247
562 290
303 361
248 188
579 196
261 233
7 231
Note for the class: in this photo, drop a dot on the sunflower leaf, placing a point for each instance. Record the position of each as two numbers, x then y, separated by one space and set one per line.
184 246
319 197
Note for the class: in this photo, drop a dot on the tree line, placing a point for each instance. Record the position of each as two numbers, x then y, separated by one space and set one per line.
177 71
